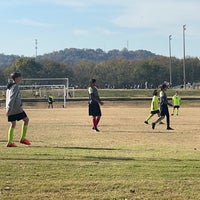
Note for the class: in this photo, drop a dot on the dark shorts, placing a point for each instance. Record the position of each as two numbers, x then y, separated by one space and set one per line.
164 110
176 106
94 109
17 117
155 112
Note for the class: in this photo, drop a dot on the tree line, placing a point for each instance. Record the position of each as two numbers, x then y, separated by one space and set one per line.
113 73
74 55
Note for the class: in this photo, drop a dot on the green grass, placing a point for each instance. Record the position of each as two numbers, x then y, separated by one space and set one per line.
99 173
126 160
113 93
135 92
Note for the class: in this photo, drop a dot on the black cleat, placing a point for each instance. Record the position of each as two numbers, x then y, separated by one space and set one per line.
169 128
97 130
146 122
153 125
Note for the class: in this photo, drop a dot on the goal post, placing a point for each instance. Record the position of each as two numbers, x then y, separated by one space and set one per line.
52 83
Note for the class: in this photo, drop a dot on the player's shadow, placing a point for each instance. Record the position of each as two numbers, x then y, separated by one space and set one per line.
3 141
103 158
89 148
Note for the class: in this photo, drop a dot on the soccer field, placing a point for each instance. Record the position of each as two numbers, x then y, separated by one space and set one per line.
126 160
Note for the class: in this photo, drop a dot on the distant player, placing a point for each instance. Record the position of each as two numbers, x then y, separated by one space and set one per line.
14 110
176 99
94 104
154 107
163 108
50 101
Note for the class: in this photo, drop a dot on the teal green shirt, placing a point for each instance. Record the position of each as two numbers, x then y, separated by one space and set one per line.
176 100
155 103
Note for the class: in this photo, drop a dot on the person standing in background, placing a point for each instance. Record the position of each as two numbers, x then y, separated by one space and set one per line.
176 99
50 101
94 104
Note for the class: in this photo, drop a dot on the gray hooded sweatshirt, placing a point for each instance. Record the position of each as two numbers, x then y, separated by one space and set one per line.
13 99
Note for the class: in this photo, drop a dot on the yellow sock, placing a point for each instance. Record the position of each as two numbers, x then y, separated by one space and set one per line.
10 135
24 131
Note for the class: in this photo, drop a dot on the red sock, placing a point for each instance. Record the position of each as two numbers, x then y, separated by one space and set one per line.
94 122
97 120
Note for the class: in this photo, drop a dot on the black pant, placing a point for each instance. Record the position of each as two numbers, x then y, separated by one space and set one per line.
164 111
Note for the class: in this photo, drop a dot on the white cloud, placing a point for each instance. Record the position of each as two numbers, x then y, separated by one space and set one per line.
13 3
104 31
155 16
158 14
29 22
94 31
68 3
81 32
85 3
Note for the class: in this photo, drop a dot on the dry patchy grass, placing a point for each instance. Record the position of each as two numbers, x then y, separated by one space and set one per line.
126 160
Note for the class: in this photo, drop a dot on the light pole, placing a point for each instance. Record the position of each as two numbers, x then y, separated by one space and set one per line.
36 48
127 45
170 61
184 80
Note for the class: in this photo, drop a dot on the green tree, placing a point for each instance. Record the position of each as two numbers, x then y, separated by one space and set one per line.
192 70
52 69
83 72
3 79
26 66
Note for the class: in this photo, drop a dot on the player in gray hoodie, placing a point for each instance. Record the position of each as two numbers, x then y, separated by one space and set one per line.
14 110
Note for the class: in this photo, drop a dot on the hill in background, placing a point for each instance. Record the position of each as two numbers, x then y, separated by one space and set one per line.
74 55
6 60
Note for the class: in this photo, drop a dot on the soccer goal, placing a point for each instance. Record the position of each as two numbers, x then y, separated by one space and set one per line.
43 87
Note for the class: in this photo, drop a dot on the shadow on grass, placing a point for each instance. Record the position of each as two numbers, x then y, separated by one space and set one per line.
46 157
82 159
90 148
99 158
3 141
77 148
150 131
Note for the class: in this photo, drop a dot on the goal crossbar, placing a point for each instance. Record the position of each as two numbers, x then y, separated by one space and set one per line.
66 85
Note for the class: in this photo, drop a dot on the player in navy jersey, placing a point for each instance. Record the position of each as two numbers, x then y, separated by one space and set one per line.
163 108
94 104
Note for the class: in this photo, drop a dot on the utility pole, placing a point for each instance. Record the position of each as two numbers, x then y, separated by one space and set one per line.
170 61
184 79
36 49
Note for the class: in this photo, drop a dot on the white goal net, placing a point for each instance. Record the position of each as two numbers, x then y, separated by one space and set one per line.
45 87
39 89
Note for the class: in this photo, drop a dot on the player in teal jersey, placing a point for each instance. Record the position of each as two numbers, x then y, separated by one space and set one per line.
176 99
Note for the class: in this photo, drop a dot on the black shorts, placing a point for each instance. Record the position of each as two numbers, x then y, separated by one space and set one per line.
164 110
17 117
94 109
176 106
155 112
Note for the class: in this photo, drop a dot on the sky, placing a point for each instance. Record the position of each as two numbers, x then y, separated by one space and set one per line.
104 24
